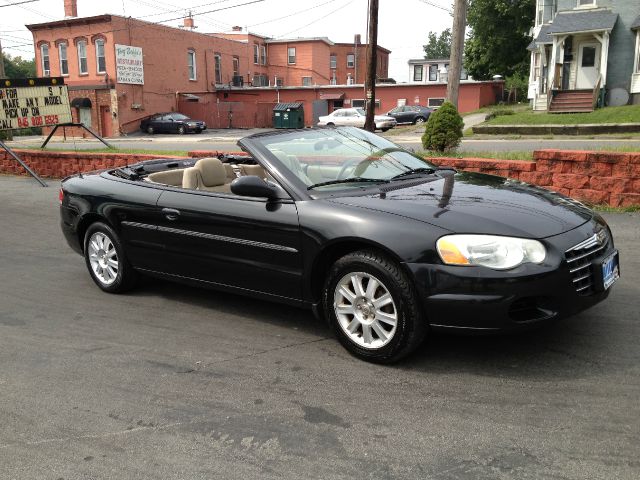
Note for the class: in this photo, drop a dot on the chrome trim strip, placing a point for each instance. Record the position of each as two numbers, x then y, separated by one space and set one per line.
589 285
218 238
574 270
570 260
584 277
599 238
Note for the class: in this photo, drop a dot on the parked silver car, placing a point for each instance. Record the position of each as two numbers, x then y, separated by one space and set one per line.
355 117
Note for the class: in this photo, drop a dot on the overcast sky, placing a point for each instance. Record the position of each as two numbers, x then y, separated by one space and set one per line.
403 24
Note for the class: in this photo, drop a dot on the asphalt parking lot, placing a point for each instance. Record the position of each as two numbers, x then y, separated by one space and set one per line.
171 382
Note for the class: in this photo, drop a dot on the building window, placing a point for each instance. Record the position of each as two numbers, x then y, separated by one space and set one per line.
256 54
351 60
101 62
191 63
464 75
291 54
333 61
307 81
435 102
588 56
236 66
217 64
586 3
263 54
279 82
64 64
82 58
433 73
46 67
417 73
540 12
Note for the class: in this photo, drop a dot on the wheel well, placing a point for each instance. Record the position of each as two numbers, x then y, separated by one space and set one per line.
85 223
329 255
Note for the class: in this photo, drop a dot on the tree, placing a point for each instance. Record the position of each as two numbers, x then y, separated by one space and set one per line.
444 129
16 67
497 44
438 46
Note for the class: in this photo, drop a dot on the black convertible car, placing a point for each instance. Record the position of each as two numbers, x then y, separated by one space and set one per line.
381 243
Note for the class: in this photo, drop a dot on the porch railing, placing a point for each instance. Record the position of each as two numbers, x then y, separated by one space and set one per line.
596 92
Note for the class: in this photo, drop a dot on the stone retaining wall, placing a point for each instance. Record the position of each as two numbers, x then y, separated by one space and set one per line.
609 178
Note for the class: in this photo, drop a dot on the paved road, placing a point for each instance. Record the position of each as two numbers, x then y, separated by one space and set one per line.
171 382
225 141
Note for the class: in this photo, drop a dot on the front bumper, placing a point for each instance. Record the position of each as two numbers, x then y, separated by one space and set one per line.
197 127
479 298
386 124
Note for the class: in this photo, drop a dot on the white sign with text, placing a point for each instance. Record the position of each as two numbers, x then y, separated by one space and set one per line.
129 65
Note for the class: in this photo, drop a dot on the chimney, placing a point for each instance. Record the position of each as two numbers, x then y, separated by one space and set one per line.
357 39
236 28
70 8
188 22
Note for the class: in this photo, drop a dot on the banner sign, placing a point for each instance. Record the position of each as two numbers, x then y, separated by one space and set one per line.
129 65
33 102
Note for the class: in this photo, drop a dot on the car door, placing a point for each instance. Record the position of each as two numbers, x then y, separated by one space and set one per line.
228 240
355 119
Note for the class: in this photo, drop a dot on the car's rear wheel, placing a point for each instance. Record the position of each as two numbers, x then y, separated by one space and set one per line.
331 124
199 130
384 129
106 260
181 130
372 307
150 130
419 120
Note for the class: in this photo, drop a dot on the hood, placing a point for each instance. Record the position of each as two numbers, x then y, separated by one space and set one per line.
476 203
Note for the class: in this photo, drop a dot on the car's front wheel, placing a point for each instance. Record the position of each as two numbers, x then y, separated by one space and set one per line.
182 130
106 260
150 130
372 307
419 120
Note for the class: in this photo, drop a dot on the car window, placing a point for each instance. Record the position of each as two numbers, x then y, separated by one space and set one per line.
396 110
319 156
178 116
361 111
338 113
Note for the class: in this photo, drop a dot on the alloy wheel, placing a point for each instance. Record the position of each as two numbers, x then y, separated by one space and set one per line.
365 310
103 258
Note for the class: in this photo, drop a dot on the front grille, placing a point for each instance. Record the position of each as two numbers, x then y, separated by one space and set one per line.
580 260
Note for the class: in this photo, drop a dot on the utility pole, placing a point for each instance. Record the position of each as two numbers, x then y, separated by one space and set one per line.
372 64
1 61
457 49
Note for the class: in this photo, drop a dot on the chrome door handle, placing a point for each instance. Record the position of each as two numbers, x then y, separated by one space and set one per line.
171 213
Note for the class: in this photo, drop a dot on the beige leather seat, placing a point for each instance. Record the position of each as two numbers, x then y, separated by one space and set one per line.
168 177
293 164
231 173
208 174
256 170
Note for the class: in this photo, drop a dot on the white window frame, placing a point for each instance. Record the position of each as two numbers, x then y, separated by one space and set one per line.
99 46
289 56
636 68
192 69
307 81
263 54
333 61
217 68
256 54
82 45
46 72
236 66
540 12
65 59
435 98
416 69
592 4
429 72
351 64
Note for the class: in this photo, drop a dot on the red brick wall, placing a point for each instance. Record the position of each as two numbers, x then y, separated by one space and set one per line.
604 178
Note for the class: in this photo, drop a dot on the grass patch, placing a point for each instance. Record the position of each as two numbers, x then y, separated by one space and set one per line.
172 153
624 114
509 155
519 107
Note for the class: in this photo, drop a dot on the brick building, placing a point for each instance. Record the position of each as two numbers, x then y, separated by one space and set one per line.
177 66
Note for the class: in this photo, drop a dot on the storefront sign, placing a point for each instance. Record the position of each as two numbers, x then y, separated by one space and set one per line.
129 65
33 102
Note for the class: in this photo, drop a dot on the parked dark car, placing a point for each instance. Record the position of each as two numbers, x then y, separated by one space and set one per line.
411 114
171 122
382 244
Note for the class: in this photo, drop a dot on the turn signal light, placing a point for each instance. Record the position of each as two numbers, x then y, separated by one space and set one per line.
61 196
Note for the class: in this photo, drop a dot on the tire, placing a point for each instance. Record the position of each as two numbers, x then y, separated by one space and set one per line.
181 130
419 120
356 320
331 124
384 129
106 260
150 130
199 130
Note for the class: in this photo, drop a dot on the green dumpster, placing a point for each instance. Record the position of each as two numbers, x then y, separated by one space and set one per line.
288 115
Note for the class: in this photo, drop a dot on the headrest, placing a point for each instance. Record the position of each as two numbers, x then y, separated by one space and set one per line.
212 171
190 178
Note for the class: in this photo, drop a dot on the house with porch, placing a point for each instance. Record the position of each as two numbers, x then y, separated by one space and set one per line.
584 54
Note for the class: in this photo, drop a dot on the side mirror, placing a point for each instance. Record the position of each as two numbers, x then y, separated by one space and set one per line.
254 186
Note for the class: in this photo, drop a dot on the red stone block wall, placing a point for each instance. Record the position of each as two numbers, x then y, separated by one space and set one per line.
603 178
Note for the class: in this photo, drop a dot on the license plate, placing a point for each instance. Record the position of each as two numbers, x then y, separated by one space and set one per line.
610 270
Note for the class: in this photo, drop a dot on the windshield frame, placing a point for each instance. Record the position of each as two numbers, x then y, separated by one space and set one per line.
256 145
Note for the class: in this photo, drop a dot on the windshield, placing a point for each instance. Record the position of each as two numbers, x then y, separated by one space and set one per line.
179 116
341 158
361 112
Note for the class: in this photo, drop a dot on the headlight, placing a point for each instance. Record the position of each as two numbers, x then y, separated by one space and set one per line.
499 253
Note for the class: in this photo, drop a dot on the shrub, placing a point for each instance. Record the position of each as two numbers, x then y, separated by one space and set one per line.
517 86
444 129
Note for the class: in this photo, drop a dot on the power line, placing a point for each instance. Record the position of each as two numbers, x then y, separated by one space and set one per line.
18 3
292 14
316 20
435 5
